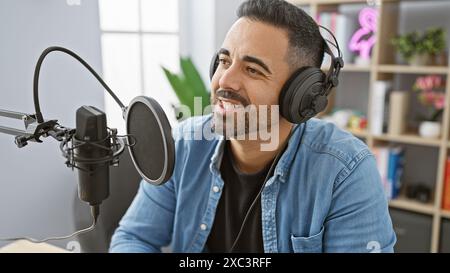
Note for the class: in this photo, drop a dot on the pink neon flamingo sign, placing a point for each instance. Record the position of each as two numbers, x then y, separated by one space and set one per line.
364 38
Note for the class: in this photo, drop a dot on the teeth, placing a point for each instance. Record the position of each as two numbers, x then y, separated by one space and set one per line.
227 105
230 106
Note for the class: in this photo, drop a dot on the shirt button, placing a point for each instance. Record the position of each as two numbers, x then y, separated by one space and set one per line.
203 227
216 189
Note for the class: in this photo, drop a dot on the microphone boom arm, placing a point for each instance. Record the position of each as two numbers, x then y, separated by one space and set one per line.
33 130
36 127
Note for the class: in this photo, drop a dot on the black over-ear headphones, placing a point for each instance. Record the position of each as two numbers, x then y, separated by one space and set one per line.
305 93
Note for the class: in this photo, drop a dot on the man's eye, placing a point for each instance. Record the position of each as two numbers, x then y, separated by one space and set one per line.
224 61
253 71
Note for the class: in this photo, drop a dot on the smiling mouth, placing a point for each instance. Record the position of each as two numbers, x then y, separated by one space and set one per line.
226 106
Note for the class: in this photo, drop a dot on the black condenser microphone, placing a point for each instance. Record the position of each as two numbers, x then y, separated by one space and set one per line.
92 147
91 144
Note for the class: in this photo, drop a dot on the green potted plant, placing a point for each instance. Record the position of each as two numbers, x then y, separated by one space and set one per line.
187 86
433 43
407 45
422 49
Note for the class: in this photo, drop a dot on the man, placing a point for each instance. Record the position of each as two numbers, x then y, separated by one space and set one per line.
322 193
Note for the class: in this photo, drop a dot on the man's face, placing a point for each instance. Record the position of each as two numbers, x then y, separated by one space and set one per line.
252 71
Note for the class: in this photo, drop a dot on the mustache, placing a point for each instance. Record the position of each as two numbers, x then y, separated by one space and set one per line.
232 95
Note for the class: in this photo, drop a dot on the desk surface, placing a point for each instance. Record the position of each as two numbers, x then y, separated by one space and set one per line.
23 246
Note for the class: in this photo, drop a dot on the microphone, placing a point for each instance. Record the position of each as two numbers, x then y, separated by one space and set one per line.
91 142
92 147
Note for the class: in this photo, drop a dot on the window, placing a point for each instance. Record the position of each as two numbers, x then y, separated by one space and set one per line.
138 37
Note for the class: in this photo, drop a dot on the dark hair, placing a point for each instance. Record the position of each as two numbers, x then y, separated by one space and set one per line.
305 41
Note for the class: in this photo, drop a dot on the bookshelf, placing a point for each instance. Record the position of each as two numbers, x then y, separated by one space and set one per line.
405 204
412 69
409 138
383 66
357 68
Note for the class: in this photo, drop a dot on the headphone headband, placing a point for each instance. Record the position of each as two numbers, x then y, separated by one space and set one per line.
337 63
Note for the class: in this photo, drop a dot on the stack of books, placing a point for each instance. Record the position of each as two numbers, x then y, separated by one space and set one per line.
390 163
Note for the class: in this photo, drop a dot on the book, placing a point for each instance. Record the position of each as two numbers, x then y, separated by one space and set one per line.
343 35
446 191
390 164
379 109
398 110
395 171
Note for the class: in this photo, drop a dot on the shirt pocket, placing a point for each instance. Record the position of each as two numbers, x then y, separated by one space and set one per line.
311 244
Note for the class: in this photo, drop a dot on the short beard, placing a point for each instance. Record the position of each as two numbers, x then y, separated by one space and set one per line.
248 123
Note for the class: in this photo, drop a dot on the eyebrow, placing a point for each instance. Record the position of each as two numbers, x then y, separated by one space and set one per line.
224 51
249 59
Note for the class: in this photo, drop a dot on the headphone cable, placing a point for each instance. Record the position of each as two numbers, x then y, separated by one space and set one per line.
274 163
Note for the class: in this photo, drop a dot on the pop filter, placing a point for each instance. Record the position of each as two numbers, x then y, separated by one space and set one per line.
151 145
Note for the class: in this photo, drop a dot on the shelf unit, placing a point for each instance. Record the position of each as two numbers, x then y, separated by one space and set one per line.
357 68
408 139
405 204
382 66
404 69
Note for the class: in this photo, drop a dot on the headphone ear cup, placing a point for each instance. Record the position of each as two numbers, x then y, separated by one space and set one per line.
213 66
297 98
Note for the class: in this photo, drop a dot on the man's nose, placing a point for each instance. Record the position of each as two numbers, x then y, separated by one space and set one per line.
231 78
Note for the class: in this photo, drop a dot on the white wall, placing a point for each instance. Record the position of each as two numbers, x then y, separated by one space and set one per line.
36 188
197 32
203 26
225 16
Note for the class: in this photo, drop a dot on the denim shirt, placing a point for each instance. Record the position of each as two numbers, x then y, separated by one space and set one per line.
325 195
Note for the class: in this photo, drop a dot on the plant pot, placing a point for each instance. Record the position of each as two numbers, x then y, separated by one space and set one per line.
441 59
421 60
430 129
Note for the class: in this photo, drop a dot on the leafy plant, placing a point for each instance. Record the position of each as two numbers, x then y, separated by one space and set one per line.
407 44
432 42
188 85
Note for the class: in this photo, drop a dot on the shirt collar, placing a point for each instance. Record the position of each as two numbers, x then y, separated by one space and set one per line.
284 164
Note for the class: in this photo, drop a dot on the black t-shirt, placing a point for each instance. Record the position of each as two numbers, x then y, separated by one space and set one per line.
239 191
